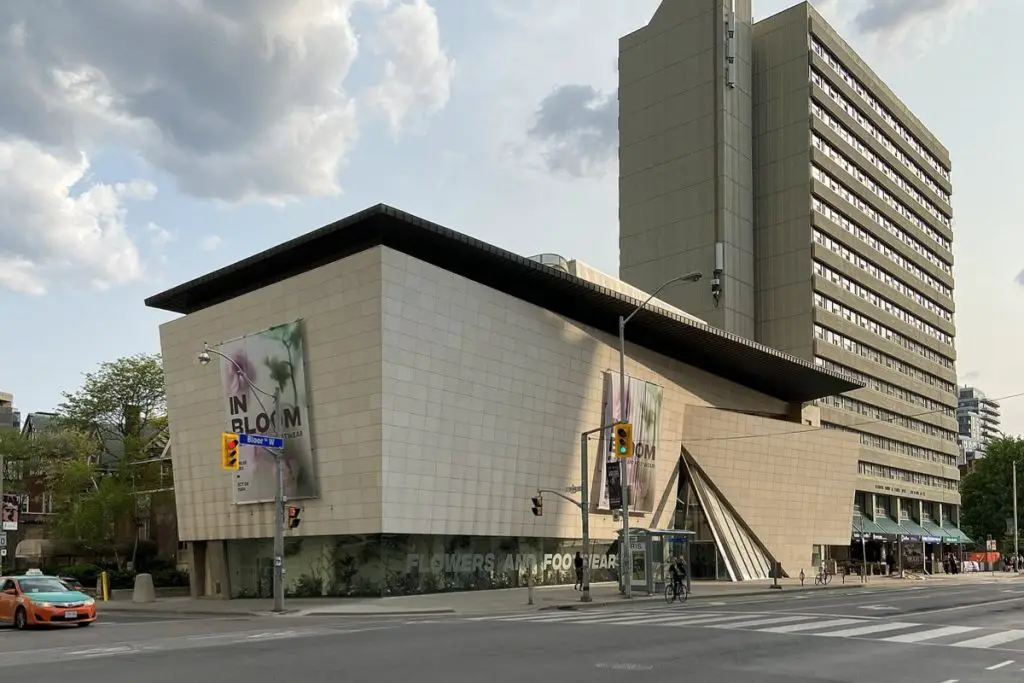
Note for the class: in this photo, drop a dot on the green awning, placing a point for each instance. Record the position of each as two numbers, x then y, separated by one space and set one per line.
951 534
912 530
935 532
863 525
889 526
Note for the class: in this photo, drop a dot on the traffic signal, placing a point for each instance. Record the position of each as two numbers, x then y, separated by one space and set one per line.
622 440
293 518
229 451
538 505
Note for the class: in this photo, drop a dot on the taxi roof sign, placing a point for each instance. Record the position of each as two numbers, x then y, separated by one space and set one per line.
33 572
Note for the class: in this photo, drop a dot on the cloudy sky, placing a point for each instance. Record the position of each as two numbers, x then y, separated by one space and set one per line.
144 143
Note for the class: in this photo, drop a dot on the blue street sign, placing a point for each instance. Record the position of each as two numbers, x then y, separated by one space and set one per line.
260 440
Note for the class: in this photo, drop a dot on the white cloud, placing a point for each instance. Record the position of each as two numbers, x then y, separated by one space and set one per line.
47 229
158 237
914 25
417 70
236 101
210 242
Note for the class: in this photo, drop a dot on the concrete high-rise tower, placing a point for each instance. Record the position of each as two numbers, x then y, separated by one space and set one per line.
769 156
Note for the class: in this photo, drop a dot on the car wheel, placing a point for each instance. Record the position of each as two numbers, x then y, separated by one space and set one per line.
83 624
21 619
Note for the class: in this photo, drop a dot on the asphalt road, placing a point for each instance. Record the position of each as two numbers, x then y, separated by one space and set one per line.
924 633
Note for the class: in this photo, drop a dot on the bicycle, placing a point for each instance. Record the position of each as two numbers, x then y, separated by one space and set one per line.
822 578
672 595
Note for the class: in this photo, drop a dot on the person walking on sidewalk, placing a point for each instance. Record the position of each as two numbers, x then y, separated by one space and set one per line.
578 563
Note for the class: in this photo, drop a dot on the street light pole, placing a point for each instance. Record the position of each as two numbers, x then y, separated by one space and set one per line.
279 501
1016 535
2 506
625 551
279 497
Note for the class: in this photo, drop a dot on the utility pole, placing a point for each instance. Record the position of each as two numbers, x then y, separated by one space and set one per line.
1016 536
625 550
279 501
204 358
3 506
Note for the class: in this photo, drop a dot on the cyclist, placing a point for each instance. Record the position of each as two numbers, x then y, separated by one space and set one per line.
678 572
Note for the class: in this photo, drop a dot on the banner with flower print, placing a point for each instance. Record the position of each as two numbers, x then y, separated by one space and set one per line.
643 409
254 369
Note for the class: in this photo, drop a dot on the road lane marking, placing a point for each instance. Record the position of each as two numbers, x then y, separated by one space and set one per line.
993 639
794 628
1008 662
1001 601
930 634
764 622
877 627
623 666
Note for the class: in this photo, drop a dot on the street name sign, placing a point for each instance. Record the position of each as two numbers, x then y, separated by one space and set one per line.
260 440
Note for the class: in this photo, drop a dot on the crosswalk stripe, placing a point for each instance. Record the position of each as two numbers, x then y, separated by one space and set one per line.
794 628
764 622
675 620
877 627
723 618
565 618
992 640
930 634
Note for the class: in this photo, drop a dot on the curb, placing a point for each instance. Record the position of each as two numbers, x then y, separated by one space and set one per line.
175 613
371 613
701 598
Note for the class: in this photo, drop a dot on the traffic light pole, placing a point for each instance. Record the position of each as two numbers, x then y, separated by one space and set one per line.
279 501
585 476
625 550
585 513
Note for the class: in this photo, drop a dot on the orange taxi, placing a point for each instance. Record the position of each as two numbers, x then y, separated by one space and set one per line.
38 600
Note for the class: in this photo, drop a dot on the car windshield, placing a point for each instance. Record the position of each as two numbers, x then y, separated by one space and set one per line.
42 585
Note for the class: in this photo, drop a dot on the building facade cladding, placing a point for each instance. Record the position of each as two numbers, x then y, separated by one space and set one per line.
882 233
852 225
438 406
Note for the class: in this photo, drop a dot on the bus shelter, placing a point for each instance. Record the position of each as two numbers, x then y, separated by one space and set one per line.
652 551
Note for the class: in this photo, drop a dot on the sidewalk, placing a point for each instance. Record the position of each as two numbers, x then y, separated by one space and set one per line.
469 602
510 600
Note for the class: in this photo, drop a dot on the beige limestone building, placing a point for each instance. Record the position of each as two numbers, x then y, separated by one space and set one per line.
769 154
442 381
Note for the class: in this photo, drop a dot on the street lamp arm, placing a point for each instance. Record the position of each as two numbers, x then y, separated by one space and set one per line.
238 369
689 277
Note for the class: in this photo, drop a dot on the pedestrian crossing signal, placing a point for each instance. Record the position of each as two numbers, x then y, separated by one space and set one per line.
229 451
293 518
622 440
538 506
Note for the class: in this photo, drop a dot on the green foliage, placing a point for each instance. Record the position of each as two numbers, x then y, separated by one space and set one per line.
96 517
123 402
987 491
103 432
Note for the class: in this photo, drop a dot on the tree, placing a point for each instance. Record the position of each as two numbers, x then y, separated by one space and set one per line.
121 410
987 491
123 403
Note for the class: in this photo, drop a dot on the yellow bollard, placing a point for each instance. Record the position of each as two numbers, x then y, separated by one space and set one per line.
104 587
